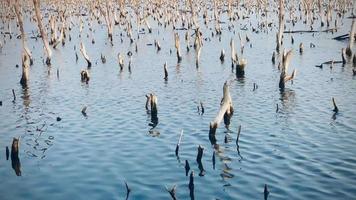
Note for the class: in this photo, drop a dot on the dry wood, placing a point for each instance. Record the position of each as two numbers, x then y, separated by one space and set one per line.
121 61
165 71
177 45
15 160
25 69
85 76
178 144
225 107
18 11
233 54
336 109
172 192
84 53
343 55
285 65
36 4
240 67
281 25
187 167
352 39
107 18
60 39
222 55
301 48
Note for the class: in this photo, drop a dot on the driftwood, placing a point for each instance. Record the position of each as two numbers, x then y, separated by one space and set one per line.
336 109
312 31
15 160
233 54
165 71
84 111
285 64
14 95
265 192
199 157
158 45
202 108
180 139
172 192
222 55
274 58
60 39
85 76
107 17
237 141
128 190
25 68
191 185
301 48
121 61
240 68
225 108
7 153
187 167
148 26
197 57
152 100
352 39
177 45
103 59
84 53
153 103
36 4
343 37
213 159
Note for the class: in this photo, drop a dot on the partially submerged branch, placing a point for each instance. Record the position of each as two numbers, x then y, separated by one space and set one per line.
336 109
180 139
285 64
15 160
165 71
352 39
25 68
225 108
85 76
84 53
177 45
240 68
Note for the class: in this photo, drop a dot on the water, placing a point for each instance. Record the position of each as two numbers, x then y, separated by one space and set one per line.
301 152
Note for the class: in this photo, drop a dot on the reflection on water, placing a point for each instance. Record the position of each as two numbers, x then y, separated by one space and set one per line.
116 143
288 99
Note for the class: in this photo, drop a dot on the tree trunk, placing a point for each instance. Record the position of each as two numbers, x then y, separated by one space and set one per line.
36 4
18 12
281 25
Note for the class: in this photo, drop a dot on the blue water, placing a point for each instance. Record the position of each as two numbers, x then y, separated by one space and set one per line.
301 152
